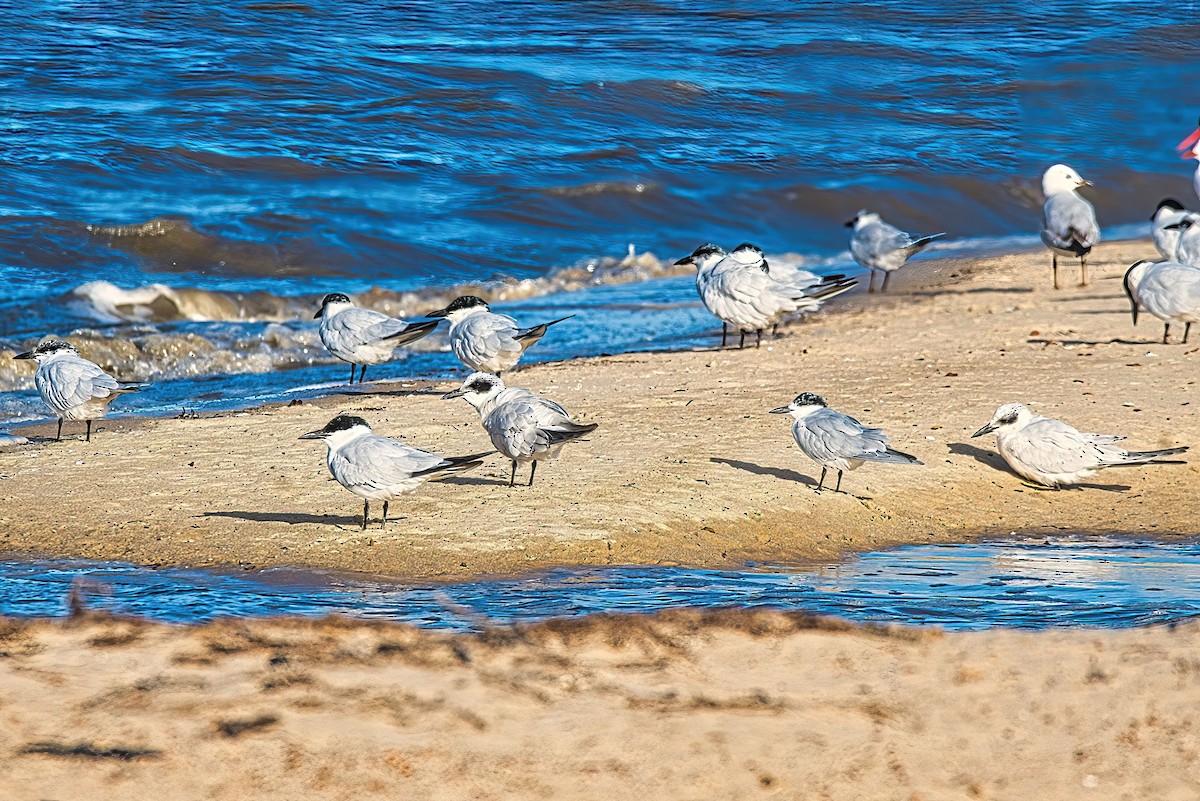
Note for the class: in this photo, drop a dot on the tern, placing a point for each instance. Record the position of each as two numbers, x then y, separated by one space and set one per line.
376 468
877 245
835 440
484 341
364 336
73 387
1187 249
524 427
1069 221
1164 230
739 290
1053 454
1167 289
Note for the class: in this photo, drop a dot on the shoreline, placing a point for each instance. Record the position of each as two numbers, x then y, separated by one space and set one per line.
686 468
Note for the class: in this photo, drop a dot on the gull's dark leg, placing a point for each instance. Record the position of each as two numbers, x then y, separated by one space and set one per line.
362 371
88 438
58 437
838 488
758 342
532 470
724 333
871 285
366 511
1054 266
821 483
742 343
383 523
775 330
1187 327
1083 270
1166 332
887 276
513 478
351 372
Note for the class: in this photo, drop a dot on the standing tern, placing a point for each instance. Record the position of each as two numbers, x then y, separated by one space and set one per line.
1164 230
740 291
364 336
524 427
1069 221
377 468
1053 454
835 440
1168 290
1187 249
73 387
877 245
484 341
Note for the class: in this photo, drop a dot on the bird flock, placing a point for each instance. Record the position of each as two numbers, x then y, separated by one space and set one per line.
749 296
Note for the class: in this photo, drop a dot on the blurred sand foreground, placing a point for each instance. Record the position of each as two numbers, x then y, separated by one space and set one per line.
682 705
687 466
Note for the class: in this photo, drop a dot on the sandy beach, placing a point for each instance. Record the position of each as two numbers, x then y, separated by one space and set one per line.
687 466
678 706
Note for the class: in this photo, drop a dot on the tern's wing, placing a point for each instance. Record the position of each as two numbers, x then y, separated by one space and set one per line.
790 274
1070 222
839 436
363 326
482 336
68 382
380 462
1052 446
1171 290
527 424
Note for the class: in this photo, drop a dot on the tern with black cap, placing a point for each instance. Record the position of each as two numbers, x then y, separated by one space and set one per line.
485 341
364 337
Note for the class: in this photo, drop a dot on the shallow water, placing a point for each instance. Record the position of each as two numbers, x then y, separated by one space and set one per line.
1026 584
285 150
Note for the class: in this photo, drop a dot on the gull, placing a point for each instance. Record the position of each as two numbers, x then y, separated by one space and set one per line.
740 291
484 341
364 336
73 387
377 468
1069 222
835 440
877 245
1053 454
1189 148
1164 231
1167 289
523 426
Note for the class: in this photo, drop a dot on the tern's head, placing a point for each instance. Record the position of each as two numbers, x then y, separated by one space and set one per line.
863 217
1166 207
1189 148
1181 225
333 303
478 389
340 430
704 257
1133 278
48 350
1061 178
1010 414
805 403
461 308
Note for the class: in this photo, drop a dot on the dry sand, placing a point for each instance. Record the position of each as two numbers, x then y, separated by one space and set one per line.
687 467
679 706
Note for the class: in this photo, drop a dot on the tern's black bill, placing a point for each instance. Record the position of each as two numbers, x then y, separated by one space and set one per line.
437 315
26 355
781 410
454 393
989 428
318 434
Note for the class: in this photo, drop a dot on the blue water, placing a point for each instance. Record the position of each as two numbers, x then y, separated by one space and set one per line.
1026 584
299 148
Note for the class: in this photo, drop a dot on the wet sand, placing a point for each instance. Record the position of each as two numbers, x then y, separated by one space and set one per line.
677 706
687 467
